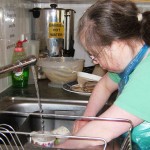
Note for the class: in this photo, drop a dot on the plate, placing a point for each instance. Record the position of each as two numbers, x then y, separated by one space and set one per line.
68 87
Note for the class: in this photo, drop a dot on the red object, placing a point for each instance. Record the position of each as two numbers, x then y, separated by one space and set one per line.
19 47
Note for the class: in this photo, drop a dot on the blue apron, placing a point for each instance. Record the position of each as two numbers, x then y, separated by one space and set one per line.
140 134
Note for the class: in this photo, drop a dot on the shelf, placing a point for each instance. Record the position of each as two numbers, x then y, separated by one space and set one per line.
78 1
64 1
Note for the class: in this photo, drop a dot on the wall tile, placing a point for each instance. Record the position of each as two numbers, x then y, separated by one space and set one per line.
14 21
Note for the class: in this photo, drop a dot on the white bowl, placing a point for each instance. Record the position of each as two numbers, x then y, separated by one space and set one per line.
45 140
61 70
83 77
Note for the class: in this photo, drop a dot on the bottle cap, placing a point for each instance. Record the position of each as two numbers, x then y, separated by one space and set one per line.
19 47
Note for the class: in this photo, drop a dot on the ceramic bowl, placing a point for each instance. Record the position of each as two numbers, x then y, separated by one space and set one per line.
83 77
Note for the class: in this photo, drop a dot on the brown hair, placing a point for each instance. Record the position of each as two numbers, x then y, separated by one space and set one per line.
109 20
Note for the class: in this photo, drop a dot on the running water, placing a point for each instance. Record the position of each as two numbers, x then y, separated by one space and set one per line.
38 96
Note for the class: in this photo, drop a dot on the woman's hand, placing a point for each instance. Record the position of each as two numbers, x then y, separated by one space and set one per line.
78 124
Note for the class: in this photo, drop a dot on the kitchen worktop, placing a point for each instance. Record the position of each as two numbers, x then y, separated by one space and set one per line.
45 92
48 93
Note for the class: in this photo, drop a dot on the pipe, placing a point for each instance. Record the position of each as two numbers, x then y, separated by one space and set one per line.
29 60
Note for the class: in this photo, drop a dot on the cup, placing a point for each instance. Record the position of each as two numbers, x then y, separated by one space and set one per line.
31 47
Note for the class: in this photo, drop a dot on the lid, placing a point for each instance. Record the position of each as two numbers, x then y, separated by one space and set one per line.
19 47
54 7
19 44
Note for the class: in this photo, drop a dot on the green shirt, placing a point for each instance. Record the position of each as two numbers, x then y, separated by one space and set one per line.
135 97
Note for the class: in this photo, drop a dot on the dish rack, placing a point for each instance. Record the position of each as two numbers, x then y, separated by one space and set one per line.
7 131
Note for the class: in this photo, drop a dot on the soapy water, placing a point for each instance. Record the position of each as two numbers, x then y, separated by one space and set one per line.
38 95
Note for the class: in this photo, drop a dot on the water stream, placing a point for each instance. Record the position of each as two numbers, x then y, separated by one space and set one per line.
38 96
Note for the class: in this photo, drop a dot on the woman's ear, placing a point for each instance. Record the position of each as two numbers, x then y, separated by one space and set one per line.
117 44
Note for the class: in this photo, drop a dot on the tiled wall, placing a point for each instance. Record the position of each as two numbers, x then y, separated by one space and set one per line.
15 20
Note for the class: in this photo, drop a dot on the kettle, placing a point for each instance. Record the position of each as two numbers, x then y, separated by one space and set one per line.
54 28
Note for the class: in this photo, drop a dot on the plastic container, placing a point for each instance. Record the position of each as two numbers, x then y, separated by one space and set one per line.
45 140
20 75
31 47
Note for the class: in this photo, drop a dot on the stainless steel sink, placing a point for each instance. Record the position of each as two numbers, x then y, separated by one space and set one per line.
33 117
23 115
20 110
16 113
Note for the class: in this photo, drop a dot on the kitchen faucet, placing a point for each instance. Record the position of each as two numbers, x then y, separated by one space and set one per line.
29 60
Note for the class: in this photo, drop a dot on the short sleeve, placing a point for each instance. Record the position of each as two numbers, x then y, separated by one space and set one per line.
114 77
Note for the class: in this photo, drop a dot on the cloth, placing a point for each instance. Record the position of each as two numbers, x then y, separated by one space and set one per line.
135 99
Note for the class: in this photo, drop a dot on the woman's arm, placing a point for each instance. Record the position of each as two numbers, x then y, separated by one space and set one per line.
101 93
103 129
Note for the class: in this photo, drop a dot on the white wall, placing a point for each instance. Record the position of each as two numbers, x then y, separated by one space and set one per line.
15 20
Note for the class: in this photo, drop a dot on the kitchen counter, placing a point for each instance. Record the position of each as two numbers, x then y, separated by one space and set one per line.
45 92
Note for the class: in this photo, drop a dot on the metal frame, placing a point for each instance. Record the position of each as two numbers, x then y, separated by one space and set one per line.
126 145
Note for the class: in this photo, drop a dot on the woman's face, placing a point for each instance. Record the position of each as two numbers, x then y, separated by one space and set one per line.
113 58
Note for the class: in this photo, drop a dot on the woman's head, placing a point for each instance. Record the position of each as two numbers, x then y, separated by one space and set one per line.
112 20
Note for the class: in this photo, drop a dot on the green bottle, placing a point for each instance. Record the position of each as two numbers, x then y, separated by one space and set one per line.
20 76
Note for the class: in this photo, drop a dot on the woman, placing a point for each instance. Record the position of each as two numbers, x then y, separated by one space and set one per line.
117 37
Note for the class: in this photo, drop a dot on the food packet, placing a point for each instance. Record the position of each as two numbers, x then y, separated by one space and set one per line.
141 136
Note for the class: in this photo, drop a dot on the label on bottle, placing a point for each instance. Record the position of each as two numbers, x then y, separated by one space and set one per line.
20 77
18 72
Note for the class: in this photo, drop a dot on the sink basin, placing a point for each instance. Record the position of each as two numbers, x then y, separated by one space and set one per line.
29 112
23 111
23 115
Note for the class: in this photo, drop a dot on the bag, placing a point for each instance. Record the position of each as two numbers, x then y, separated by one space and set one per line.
141 136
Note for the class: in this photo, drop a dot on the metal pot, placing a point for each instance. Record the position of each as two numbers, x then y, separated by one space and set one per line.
54 27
